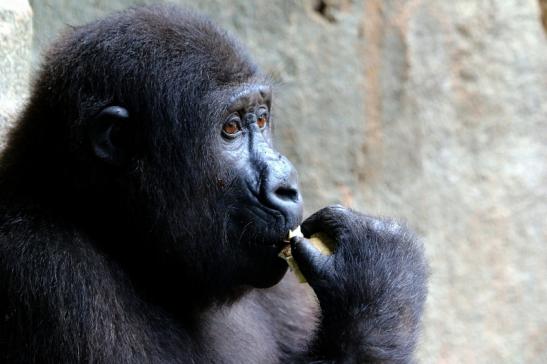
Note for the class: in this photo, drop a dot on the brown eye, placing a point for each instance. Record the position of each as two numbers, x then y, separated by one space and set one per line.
262 121
230 128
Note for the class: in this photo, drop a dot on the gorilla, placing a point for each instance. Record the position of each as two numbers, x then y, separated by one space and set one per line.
143 207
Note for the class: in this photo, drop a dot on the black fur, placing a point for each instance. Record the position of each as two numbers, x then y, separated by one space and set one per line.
161 251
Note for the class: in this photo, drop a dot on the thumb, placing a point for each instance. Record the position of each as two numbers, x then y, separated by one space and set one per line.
311 262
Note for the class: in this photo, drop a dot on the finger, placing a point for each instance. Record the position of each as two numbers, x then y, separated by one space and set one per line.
329 219
311 262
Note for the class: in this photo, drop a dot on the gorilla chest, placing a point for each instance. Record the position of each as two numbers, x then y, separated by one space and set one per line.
239 334
263 327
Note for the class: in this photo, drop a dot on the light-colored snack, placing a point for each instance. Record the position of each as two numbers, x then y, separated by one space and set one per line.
319 240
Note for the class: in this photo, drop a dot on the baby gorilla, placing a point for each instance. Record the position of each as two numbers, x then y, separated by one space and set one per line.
143 208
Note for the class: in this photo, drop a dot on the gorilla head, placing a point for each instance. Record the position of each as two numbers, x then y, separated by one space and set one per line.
150 130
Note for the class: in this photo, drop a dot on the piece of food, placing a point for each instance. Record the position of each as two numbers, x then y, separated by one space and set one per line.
319 240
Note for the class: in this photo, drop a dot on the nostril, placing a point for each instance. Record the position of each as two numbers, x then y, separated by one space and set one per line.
287 193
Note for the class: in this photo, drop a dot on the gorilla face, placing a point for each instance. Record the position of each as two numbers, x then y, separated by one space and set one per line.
185 143
266 202
228 198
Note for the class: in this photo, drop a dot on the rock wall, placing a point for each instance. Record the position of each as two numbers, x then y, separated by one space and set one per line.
431 111
15 47
459 149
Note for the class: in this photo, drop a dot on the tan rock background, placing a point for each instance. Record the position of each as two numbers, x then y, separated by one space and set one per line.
15 51
432 111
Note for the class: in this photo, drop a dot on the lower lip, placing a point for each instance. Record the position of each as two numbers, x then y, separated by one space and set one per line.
280 246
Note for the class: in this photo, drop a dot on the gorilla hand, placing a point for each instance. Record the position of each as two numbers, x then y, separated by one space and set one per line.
371 290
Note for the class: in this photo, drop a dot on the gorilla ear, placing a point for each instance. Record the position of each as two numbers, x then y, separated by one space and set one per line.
106 134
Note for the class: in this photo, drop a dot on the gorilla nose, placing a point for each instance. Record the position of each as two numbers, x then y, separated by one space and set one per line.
286 194
283 195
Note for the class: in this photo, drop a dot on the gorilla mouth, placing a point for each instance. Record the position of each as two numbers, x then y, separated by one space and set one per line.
272 223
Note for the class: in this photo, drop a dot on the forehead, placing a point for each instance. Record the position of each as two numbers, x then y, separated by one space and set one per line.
250 94
233 97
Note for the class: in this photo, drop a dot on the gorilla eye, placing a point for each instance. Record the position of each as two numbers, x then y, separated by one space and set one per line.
262 120
231 128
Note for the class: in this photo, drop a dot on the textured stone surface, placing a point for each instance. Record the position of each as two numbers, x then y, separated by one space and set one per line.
15 46
432 111
460 150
